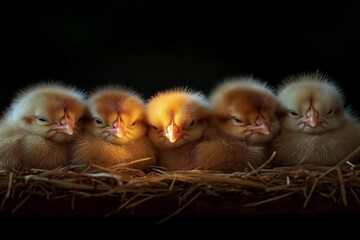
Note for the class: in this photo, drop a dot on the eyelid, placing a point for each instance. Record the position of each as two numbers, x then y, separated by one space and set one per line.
293 114
98 122
237 121
42 120
79 121
330 112
192 123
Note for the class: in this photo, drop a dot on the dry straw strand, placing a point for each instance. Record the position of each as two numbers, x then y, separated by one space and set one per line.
134 187
351 156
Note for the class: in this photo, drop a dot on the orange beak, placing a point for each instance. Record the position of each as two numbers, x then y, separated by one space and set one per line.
173 132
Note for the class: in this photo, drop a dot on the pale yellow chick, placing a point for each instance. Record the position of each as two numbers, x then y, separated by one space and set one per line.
114 131
317 129
38 128
178 119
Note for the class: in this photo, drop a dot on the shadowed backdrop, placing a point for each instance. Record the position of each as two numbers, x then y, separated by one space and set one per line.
154 45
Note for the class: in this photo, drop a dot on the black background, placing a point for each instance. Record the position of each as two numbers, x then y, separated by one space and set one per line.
153 45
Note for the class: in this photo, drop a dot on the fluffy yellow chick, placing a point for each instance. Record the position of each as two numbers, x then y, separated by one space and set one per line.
114 130
244 121
177 121
38 128
317 129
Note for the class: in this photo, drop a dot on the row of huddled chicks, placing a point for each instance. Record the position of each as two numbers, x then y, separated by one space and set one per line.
238 126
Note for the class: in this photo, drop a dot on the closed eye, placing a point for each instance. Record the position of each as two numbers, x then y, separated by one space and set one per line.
330 112
237 121
154 128
98 122
293 114
42 120
79 121
192 124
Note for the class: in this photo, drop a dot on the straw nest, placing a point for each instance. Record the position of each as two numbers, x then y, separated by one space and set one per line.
133 188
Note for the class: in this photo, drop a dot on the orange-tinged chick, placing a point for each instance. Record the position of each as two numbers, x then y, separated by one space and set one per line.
245 120
246 108
317 129
114 130
38 128
224 153
177 121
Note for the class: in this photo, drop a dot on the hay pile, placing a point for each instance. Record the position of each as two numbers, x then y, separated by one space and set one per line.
134 187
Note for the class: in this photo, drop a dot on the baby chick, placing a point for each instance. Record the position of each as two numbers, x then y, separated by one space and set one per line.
38 128
244 121
178 119
114 130
317 129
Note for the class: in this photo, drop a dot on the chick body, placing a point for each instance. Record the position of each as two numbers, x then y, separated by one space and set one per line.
222 152
317 128
178 119
115 131
244 121
39 126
